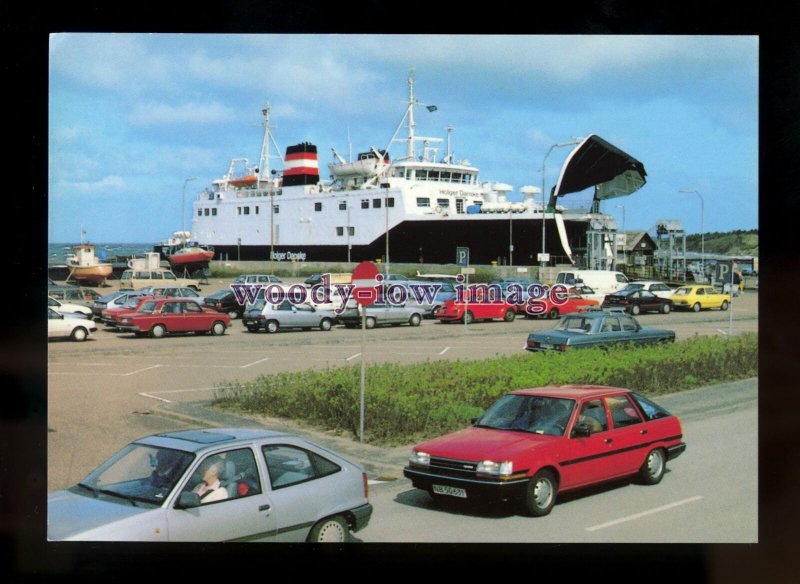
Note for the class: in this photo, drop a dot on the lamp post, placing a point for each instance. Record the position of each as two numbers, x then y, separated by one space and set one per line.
702 230
183 206
624 255
544 195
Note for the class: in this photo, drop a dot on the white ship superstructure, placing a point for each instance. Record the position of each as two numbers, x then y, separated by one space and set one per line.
426 203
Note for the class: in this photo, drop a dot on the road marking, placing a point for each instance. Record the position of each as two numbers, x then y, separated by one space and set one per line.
255 363
138 371
351 357
444 350
155 397
644 513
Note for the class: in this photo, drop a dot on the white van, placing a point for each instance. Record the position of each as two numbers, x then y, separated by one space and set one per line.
601 281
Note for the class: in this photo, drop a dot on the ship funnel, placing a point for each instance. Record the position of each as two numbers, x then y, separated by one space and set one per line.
300 165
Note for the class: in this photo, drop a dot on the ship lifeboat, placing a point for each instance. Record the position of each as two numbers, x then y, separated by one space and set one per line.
243 181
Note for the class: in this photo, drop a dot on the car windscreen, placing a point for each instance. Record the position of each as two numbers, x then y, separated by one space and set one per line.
148 307
138 474
527 413
682 292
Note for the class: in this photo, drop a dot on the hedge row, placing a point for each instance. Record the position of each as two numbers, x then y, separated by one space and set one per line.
405 403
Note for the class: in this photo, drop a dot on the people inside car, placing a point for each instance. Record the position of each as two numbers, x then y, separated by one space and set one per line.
167 468
210 489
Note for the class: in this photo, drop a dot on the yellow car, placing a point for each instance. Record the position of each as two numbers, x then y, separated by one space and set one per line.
699 297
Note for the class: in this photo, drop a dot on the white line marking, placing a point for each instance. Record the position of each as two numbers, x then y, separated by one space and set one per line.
155 397
351 357
644 513
255 362
138 371
187 390
444 350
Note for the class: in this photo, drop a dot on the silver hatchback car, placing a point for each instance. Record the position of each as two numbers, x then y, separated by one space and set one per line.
263 315
215 485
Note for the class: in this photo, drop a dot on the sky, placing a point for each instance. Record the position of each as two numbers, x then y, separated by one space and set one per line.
133 116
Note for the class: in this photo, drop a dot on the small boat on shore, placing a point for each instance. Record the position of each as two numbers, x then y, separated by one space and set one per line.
84 266
191 256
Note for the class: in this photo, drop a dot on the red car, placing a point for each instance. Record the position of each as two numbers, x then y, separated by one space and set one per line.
112 316
533 444
572 301
481 307
159 316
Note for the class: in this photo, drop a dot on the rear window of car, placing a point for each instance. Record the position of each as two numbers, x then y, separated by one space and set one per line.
651 410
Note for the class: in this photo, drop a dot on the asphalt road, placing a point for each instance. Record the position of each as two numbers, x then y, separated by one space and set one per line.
709 494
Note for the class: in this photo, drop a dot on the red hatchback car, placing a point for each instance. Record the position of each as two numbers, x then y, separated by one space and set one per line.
159 316
532 444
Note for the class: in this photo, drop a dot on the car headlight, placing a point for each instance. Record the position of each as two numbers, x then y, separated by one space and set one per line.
420 458
495 469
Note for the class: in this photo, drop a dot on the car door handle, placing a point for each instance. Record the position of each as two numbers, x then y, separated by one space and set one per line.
608 440
266 507
643 432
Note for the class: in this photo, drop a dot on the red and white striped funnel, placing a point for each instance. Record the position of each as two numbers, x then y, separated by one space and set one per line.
300 165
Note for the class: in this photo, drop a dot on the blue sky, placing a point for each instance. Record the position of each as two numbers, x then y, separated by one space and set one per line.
132 116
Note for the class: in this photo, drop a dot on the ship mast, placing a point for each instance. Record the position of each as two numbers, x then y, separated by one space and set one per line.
263 165
411 124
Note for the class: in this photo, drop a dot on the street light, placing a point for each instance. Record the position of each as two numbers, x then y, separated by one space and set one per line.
702 230
183 206
544 204
625 240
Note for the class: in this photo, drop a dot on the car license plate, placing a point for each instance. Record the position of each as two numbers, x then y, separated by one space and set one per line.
545 345
452 491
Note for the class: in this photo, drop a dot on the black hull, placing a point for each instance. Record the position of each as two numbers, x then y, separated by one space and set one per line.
434 243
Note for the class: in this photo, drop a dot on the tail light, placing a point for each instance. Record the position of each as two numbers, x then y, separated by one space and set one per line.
366 485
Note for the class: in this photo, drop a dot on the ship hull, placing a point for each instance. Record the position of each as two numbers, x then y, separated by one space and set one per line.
435 242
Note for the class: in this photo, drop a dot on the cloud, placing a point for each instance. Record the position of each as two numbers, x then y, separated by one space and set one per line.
147 114
108 185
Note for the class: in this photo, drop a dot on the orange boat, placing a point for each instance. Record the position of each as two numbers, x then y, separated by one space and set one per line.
191 256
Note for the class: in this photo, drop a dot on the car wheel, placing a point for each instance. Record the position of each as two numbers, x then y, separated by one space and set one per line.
273 326
79 334
414 320
665 308
696 307
370 322
541 494
330 530
652 470
218 328
635 309
509 316
158 331
553 314
724 305
325 325
468 317
233 315
435 311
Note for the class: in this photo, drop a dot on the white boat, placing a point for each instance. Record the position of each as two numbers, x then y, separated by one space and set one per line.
84 266
421 205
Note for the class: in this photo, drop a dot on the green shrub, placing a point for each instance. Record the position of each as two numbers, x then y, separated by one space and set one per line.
408 402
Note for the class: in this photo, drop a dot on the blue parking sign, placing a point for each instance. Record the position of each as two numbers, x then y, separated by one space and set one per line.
462 256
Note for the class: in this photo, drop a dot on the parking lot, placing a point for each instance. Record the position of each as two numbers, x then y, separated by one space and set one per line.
102 392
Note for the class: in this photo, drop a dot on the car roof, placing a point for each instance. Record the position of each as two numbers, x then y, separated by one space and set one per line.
197 439
572 391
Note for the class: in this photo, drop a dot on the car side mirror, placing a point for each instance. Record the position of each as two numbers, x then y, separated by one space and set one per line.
188 500
581 429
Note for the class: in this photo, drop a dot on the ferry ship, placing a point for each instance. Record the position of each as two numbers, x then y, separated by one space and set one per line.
420 207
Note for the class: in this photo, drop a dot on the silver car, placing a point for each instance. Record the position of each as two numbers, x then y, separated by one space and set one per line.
380 314
220 484
263 315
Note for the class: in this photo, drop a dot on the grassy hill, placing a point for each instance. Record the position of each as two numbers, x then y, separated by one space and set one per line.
737 242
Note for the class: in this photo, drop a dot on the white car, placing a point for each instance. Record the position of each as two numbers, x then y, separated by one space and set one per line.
660 289
65 308
71 327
